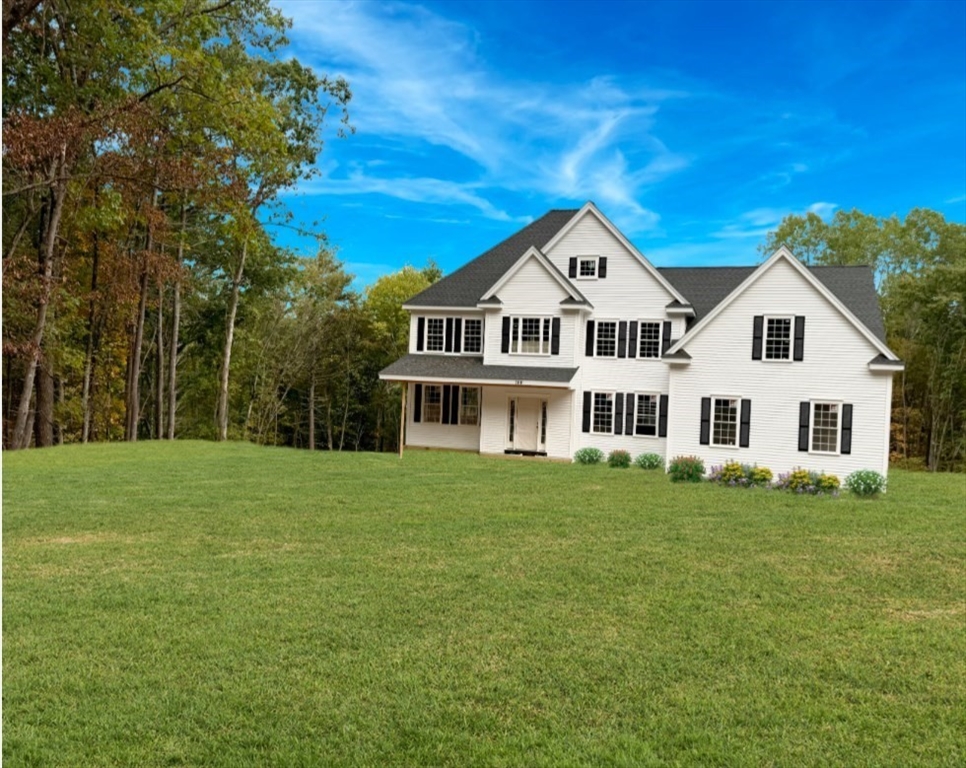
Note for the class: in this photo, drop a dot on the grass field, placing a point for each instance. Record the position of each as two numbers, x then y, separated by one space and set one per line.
229 605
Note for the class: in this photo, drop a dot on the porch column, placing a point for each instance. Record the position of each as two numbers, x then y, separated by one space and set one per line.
402 418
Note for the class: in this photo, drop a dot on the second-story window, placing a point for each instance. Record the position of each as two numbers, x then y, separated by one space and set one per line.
606 339
435 334
530 336
649 340
778 338
472 336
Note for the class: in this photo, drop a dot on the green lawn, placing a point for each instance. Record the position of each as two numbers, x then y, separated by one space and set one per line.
199 604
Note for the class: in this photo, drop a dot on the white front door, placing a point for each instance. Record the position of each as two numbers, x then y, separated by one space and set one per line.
526 429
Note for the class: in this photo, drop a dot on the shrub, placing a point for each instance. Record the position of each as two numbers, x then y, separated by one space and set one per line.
805 481
649 461
686 469
865 482
760 476
741 475
619 459
589 456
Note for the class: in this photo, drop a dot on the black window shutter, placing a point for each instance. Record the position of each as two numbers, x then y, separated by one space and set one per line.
505 344
662 417
804 410
618 414
602 266
449 335
745 432
418 403
454 405
758 330
573 267
666 336
705 421
555 336
586 425
446 403
846 446
629 414
420 330
799 353
589 347
622 339
458 334
632 339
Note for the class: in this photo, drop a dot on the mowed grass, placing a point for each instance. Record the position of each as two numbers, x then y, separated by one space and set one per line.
229 605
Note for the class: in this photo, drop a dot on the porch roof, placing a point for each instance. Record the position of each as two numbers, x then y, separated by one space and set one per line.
452 368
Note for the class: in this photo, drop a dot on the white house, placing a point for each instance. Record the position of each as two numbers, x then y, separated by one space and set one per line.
565 336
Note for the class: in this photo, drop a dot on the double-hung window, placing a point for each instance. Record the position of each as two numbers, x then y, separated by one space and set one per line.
435 334
778 338
825 427
724 426
470 405
472 336
645 420
606 342
432 403
649 340
602 416
530 336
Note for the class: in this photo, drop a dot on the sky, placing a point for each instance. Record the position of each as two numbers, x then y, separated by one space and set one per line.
695 127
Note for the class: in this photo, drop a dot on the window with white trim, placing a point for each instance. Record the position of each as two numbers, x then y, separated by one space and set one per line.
470 405
602 416
606 341
825 425
530 336
724 421
778 338
472 336
435 334
432 403
645 419
649 340
587 268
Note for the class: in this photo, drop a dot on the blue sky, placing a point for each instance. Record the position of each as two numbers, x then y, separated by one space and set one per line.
694 126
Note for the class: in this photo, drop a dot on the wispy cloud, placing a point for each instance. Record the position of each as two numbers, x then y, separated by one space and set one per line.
419 81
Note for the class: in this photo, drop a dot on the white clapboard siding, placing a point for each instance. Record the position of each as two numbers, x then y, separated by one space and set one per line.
835 368
531 292
421 434
629 291
494 432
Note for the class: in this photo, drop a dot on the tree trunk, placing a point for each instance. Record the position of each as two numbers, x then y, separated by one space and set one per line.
21 435
90 354
222 410
159 373
58 427
133 399
175 327
312 415
44 409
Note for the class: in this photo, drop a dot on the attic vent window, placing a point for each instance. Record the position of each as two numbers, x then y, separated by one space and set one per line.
778 336
587 268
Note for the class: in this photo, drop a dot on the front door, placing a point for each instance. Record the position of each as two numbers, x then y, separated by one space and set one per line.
526 427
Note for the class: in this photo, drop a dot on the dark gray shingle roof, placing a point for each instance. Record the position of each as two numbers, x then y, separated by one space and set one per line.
706 287
465 286
415 367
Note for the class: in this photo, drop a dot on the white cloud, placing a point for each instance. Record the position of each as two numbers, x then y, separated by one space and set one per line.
418 79
823 210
